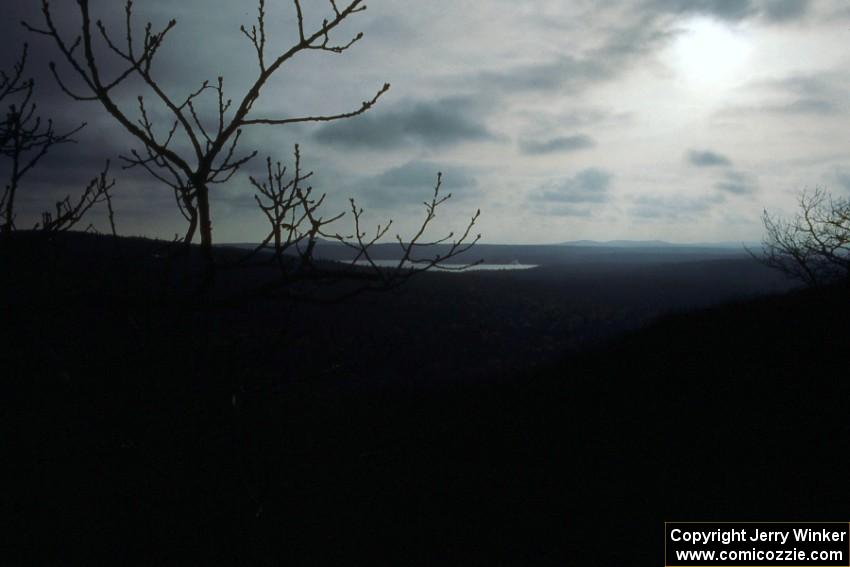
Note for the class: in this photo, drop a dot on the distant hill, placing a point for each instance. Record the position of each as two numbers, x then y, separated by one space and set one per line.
618 243
656 244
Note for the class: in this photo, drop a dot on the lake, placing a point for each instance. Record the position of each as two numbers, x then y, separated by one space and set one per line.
455 267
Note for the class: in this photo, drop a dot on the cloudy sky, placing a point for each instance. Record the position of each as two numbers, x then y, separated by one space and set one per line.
633 119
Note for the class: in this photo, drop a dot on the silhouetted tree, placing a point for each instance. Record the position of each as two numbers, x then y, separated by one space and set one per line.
25 138
295 224
813 246
67 213
213 157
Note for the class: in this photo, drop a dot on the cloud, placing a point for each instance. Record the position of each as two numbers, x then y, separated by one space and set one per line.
733 182
676 207
736 183
573 196
842 176
557 145
439 123
813 95
588 186
574 118
565 73
807 106
707 158
780 11
772 11
816 94
621 49
414 182
566 211
730 10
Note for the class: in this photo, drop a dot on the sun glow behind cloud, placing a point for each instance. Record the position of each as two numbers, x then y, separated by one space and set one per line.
710 57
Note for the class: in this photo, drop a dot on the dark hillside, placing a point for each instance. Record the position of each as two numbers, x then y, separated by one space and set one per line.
439 423
736 412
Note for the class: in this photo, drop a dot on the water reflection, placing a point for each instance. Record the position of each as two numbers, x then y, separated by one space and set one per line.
455 267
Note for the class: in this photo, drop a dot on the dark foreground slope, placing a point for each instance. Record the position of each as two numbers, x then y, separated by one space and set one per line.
142 430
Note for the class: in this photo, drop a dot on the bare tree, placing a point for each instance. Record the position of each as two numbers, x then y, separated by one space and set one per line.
813 246
67 213
25 138
213 156
296 225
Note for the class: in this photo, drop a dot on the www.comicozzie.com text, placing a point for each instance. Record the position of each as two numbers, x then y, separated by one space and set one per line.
702 555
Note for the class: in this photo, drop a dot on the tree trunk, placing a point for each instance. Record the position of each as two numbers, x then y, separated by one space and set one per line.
193 226
205 225
12 188
8 214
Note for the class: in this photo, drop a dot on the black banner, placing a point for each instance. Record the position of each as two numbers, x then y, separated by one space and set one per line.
765 544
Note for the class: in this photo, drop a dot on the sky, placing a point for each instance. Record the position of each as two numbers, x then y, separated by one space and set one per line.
679 120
